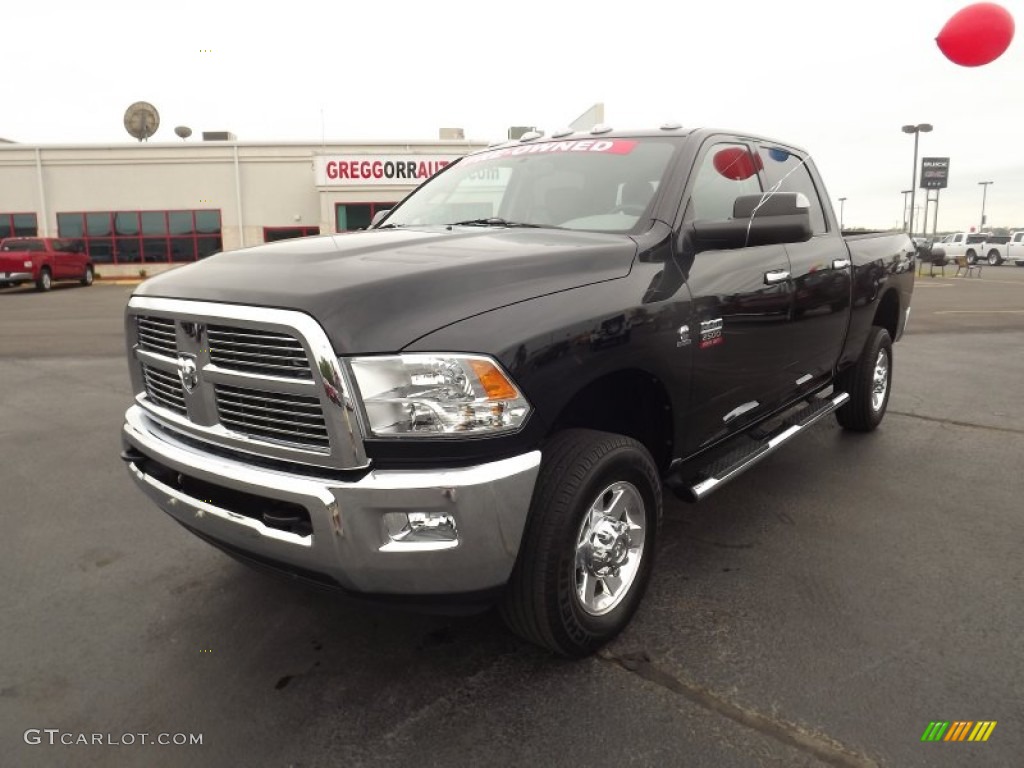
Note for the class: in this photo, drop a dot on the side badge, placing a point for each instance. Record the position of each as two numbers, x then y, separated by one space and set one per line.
711 333
684 336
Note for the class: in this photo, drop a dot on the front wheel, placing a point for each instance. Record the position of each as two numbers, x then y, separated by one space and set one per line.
972 257
993 258
588 547
868 383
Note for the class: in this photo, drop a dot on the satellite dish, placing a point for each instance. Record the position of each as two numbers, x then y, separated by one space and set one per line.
141 120
183 132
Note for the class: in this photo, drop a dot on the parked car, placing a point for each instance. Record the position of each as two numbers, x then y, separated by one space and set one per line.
1005 248
447 410
969 244
43 261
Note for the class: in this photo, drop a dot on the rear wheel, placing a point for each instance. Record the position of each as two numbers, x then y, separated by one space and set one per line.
45 281
868 383
994 259
588 547
89 276
972 257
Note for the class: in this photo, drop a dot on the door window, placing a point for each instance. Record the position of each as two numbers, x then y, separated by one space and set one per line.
727 171
786 171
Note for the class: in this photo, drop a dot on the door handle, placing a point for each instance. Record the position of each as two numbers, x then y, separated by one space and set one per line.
840 264
776 276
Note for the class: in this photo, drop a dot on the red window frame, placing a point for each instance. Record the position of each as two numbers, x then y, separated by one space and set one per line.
159 247
8 219
374 207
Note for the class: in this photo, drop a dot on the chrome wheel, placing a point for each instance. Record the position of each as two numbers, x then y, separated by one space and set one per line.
880 383
609 547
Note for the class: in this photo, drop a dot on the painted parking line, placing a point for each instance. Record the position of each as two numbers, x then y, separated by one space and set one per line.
979 312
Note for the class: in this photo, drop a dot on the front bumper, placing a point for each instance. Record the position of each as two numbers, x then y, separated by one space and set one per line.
349 544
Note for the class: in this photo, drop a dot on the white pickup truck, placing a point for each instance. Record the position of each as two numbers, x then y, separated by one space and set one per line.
969 244
1002 248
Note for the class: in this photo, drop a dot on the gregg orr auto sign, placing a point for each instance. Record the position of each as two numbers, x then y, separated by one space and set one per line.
377 170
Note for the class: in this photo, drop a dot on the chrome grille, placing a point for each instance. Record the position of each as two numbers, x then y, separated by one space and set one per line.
295 419
267 381
156 334
164 389
258 351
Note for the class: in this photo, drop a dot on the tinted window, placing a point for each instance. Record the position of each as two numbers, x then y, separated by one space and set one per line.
727 171
70 225
788 172
24 245
24 224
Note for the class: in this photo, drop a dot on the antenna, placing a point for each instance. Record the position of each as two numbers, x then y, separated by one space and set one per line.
141 120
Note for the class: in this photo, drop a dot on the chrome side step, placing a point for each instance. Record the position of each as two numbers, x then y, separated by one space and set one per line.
716 474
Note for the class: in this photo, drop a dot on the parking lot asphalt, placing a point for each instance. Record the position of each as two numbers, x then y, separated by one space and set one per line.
821 610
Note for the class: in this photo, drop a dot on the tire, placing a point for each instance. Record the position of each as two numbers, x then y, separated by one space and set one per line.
993 258
866 407
89 276
972 257
45 281
562 594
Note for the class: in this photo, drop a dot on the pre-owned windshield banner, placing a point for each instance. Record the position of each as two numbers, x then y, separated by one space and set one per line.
590 146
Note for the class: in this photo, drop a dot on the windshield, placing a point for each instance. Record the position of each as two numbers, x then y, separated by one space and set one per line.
596 184
22 245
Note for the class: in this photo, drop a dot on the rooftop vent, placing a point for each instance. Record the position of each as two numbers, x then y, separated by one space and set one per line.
219 136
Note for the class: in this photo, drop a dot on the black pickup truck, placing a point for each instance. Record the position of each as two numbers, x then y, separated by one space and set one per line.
479 400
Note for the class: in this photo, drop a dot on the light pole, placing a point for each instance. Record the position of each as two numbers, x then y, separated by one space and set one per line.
984 192
916 130
905 192
842 205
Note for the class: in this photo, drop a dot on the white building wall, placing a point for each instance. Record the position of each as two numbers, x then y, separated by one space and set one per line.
275 185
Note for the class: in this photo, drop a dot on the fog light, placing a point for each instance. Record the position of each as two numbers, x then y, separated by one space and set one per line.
420 530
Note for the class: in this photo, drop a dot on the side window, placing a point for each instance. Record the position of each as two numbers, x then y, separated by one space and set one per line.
727 171
791 174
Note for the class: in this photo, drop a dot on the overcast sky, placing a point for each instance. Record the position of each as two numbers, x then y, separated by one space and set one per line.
838 78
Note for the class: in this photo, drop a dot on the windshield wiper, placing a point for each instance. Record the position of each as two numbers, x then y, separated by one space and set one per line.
492 221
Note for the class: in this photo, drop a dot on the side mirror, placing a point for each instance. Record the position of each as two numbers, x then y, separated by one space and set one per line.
378 216
784 217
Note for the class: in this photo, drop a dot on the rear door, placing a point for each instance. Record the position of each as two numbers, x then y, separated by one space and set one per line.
821 270
740 321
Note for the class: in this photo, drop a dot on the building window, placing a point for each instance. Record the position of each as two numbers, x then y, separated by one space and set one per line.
351 216
18 225
153 237
270 234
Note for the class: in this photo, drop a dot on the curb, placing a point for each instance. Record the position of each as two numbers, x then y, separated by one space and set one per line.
118 281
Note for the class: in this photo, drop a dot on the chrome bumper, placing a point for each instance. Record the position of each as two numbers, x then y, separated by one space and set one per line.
11 277
350 543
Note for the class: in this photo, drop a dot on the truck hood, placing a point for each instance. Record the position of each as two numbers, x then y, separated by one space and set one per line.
380 290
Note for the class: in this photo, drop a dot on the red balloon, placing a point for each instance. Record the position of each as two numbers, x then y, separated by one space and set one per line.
736 163
976 35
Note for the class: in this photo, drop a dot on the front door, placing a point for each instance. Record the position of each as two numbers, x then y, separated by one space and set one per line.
740 321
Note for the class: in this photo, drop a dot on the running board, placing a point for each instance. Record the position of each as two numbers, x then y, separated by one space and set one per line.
760 445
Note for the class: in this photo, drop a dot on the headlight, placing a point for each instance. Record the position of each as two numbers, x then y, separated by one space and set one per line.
437 396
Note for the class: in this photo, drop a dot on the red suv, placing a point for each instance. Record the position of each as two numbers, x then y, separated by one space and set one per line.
42 260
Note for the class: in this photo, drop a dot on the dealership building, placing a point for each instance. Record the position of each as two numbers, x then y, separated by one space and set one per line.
151 206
